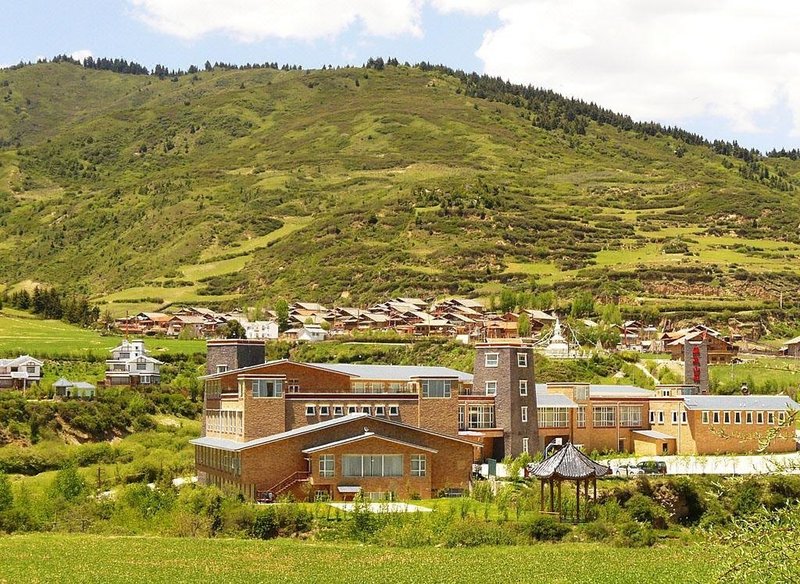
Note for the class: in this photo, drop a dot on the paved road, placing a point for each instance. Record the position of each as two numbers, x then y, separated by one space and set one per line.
722 465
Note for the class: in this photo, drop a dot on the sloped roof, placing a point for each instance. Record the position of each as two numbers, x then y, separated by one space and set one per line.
365 436
393 372
569 463
553 400
619 391
655 434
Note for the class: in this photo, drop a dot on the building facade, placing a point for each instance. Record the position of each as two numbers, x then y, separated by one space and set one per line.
130 365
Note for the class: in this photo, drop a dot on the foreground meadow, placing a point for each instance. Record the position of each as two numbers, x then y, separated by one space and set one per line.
84 558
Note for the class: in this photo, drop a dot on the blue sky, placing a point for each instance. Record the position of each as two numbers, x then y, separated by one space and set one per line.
727 69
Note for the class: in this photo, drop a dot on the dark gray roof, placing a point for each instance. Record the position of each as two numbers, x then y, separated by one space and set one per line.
569 463
740 402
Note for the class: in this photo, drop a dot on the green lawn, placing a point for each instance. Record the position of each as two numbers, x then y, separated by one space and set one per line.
21 333
86 558
768 375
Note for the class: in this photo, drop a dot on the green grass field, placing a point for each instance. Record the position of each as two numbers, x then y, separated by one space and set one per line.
86 559
21 333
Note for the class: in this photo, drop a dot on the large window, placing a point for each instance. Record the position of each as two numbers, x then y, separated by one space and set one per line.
326 465
630 416
581 417
267 387
418 465
436 387
553 417
603 416
478 417
372 465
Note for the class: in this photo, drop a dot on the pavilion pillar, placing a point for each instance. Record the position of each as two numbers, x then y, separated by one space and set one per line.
594 482
552 503
577 500
541 495
559 499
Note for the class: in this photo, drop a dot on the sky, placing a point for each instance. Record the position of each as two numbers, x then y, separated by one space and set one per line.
726 69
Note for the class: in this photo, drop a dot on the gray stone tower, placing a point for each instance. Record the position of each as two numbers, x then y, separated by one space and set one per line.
506 369
228 354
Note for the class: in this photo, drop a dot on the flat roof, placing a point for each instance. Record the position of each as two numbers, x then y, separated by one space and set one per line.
740 402
554 400
619 391
393 372
654 434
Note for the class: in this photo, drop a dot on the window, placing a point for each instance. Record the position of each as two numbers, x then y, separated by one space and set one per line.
352 409
372 465
418 465
479 416
492 359
603 416
581 417
781 417
311 410
525 445
141 366
31 369
394 410
652 416
380 410
293 385
716 417
737 417
324 410
522 359
222 368
759 417
326 465
523 387
726 417
630 416
684 419
267 387
770 418
661 416
553 417
338 410
581 392
436 387
524 413
674 416
491 388
705 417
748 417
366 409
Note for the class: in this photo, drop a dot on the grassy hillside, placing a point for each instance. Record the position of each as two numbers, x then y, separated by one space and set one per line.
265 183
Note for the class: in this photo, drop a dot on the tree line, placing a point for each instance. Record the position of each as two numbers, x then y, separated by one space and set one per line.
54 304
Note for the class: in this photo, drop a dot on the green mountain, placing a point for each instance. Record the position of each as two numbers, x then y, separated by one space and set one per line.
262 183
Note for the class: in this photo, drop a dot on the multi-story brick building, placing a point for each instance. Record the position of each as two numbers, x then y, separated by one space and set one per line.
254 412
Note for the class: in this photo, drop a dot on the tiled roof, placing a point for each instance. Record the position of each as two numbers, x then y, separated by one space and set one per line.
569 463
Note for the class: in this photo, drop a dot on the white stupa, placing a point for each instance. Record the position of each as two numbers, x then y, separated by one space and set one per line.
557 347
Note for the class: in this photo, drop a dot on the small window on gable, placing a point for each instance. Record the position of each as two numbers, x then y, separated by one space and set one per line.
492 359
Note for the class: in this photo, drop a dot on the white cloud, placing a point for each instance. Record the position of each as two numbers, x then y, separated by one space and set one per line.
670 60
474 7
257 20
81 55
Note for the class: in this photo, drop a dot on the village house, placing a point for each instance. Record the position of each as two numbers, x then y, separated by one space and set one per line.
311 333
20 372
720 349
130 365
66 389
791 348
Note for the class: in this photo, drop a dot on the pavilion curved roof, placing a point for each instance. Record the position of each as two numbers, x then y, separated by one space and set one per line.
569 463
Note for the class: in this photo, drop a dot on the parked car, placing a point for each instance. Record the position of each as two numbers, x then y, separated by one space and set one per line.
629 470
653 466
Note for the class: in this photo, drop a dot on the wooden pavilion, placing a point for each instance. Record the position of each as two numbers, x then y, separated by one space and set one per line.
568 464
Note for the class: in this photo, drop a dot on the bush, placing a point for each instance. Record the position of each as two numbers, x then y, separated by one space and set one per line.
280 520
633 534
598 531
473 533
645 510
545 528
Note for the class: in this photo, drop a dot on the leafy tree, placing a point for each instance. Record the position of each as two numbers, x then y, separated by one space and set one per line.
582 305
610 314
282 314
524 325
233 329
68 483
